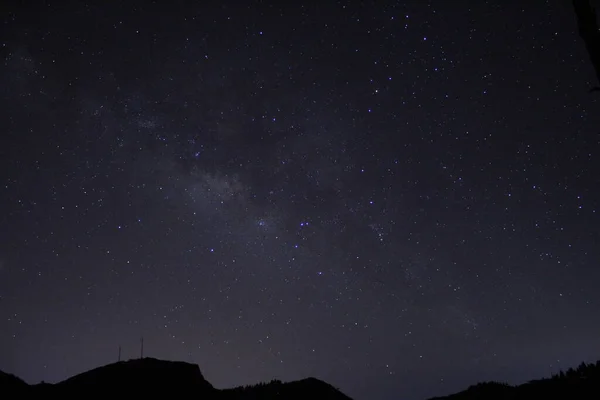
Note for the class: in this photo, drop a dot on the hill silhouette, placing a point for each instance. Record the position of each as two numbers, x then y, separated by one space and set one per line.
582 383
298 390
151 376
11 381
146 373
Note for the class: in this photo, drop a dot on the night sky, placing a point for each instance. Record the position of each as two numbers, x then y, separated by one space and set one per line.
401 199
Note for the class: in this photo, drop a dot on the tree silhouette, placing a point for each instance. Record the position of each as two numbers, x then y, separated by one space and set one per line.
589 32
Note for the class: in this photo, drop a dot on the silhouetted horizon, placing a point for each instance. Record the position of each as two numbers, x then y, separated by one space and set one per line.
151 374
148 373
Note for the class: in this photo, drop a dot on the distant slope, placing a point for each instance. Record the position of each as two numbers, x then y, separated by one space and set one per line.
297 390
582 383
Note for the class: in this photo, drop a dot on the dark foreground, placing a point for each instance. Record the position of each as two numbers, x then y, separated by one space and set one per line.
149 376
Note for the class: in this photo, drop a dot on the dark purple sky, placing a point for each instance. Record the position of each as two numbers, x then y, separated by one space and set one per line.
399 199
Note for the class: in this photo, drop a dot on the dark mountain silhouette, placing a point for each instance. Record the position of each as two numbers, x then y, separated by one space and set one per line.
582 383
150 376
147 373
11 381
298 390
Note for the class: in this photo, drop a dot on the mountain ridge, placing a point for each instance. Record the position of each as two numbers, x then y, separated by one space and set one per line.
581 383
151 376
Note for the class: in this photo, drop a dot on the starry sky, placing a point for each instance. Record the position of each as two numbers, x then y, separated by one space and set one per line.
399 198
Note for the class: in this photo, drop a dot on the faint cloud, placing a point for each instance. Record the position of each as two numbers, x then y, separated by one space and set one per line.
224 187
21 61
461 320
146 123
216 188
